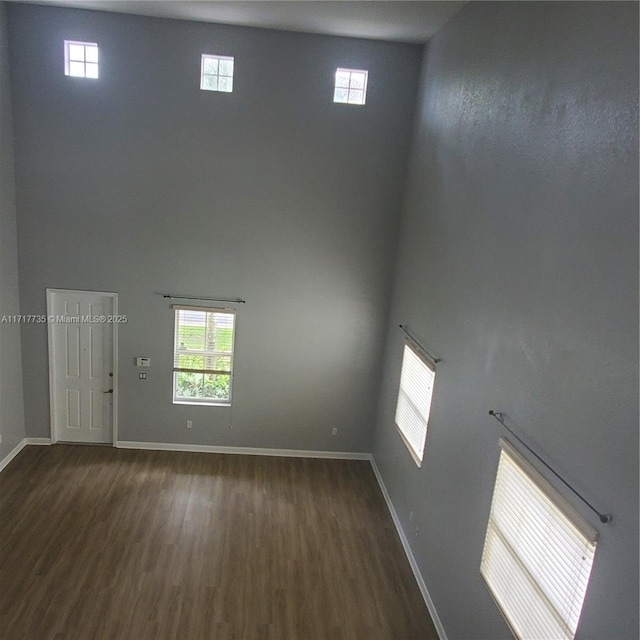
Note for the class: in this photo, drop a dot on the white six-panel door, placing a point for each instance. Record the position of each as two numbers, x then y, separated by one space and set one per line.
81 362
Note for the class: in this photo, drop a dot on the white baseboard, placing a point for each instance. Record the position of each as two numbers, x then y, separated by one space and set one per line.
19 447
247 451
38 441
12 454
407 549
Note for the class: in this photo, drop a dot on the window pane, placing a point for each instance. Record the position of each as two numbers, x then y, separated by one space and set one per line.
355 96
225 84
210 66
76 52
91 54
92 70
191 329
340 95
342 78
216 387
76 69
219 332
226 67
189 385
357 81
209 83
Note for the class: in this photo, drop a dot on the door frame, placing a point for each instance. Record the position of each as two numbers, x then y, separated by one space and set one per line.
114 342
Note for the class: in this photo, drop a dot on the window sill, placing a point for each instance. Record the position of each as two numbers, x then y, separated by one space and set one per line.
203 404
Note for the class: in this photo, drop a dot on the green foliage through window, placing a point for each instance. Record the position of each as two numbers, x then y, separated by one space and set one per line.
202 385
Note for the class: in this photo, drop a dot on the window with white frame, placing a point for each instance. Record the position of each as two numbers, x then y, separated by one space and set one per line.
537 553
80 59
350 86
203 355
414 400
216 73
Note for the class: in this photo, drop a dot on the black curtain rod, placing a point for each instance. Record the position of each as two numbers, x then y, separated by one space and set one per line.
604 517
238 300
426 351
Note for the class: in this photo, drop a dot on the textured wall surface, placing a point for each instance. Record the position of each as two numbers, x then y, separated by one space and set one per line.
518 266
140 183
11 406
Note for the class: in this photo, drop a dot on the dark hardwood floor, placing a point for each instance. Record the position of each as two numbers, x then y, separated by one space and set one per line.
97 542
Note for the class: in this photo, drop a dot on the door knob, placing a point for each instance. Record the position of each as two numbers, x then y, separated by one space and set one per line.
110 391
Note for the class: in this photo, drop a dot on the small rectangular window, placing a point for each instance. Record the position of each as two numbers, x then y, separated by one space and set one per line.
216 73
537 553
203 355
80 59
350 86
414 400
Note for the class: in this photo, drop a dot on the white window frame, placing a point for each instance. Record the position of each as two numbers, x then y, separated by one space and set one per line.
538 552
213 402
350 89
420 408
68 59
203 75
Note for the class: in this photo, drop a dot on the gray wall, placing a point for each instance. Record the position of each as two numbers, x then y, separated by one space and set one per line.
11 405
518 265
140 183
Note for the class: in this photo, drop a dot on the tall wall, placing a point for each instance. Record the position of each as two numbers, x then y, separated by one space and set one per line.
518 266
11 405
142 184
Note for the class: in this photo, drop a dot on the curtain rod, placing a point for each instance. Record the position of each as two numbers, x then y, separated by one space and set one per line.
172 297
433 359
604 517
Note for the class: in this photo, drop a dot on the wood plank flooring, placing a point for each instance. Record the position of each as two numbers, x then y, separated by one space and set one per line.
97 542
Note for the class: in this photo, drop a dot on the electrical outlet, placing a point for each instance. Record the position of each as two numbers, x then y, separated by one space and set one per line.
334 431
417 531
189 424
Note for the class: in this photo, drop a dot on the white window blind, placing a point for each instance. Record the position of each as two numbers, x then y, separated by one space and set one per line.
538 552
203 355
414 401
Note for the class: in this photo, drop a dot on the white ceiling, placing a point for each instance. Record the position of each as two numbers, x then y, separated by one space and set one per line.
394 20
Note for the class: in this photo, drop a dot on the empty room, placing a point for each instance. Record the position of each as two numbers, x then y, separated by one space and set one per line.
319 320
